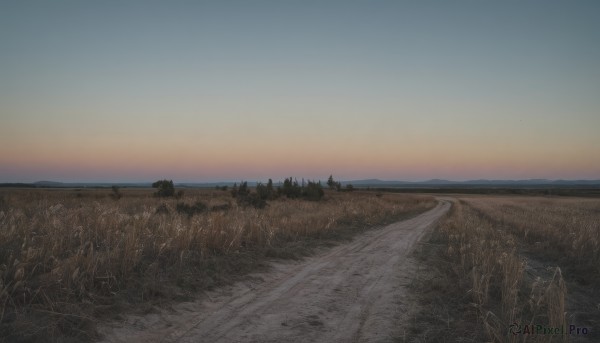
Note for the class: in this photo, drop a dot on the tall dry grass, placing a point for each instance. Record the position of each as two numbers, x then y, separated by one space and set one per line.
564 229
65 255
487 237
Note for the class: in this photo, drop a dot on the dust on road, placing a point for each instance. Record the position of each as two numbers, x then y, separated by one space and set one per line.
355 292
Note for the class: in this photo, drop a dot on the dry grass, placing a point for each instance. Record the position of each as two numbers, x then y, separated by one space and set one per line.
67 256
492 247
564 230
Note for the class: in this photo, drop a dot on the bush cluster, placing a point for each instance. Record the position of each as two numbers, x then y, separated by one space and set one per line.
251 200
245 198
332 184
266 192
165 188
312 191
290 189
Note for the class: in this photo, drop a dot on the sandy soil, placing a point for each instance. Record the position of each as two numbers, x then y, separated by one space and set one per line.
355 292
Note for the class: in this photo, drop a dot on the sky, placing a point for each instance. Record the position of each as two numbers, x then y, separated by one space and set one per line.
198 91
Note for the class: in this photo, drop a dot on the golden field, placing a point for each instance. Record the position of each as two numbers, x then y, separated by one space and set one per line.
69 256
506 260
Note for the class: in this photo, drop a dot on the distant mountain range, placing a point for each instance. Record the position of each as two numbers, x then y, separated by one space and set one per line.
375 183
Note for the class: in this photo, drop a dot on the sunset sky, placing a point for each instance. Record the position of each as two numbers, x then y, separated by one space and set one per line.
119 91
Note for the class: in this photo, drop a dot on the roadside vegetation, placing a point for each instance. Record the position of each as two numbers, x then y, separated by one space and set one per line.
498 265
71 256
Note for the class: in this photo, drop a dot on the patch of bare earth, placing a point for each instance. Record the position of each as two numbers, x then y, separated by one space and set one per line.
352 292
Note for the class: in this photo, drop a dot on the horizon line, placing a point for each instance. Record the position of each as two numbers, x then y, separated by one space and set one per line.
307 179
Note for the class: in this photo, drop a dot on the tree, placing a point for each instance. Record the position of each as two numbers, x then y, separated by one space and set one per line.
291 189
165 188
261 191
331 182
243 190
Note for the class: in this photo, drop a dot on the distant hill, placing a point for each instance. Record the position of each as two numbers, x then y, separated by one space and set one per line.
54 184
48 184
475 183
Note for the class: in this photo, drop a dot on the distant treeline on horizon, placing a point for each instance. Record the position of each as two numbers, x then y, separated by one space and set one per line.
368 183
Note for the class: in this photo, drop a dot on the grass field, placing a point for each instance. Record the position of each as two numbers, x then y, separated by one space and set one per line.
71 256
502 261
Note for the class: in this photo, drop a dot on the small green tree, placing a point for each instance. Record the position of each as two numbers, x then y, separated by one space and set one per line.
165 188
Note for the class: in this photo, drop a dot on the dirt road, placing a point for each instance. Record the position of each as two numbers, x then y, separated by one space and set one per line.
355 292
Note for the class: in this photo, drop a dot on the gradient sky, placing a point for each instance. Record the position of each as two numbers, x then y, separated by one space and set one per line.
211 91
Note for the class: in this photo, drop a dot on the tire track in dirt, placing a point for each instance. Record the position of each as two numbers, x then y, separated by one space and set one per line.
354 292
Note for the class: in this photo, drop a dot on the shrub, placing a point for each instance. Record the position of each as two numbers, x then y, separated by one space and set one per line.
313 191
291 189
261 191
190 210
242 190
271 190
266 192
116 194
332 184
165 188
245 199
252 200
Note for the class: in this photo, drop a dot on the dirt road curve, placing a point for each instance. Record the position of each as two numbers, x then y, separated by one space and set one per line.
354 292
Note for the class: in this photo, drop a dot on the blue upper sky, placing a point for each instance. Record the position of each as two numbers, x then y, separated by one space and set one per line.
109 90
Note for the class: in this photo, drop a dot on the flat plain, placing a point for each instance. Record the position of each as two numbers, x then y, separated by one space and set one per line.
71 256
353 266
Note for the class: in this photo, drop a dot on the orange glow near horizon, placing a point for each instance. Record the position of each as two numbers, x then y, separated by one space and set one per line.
131 94
253 161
